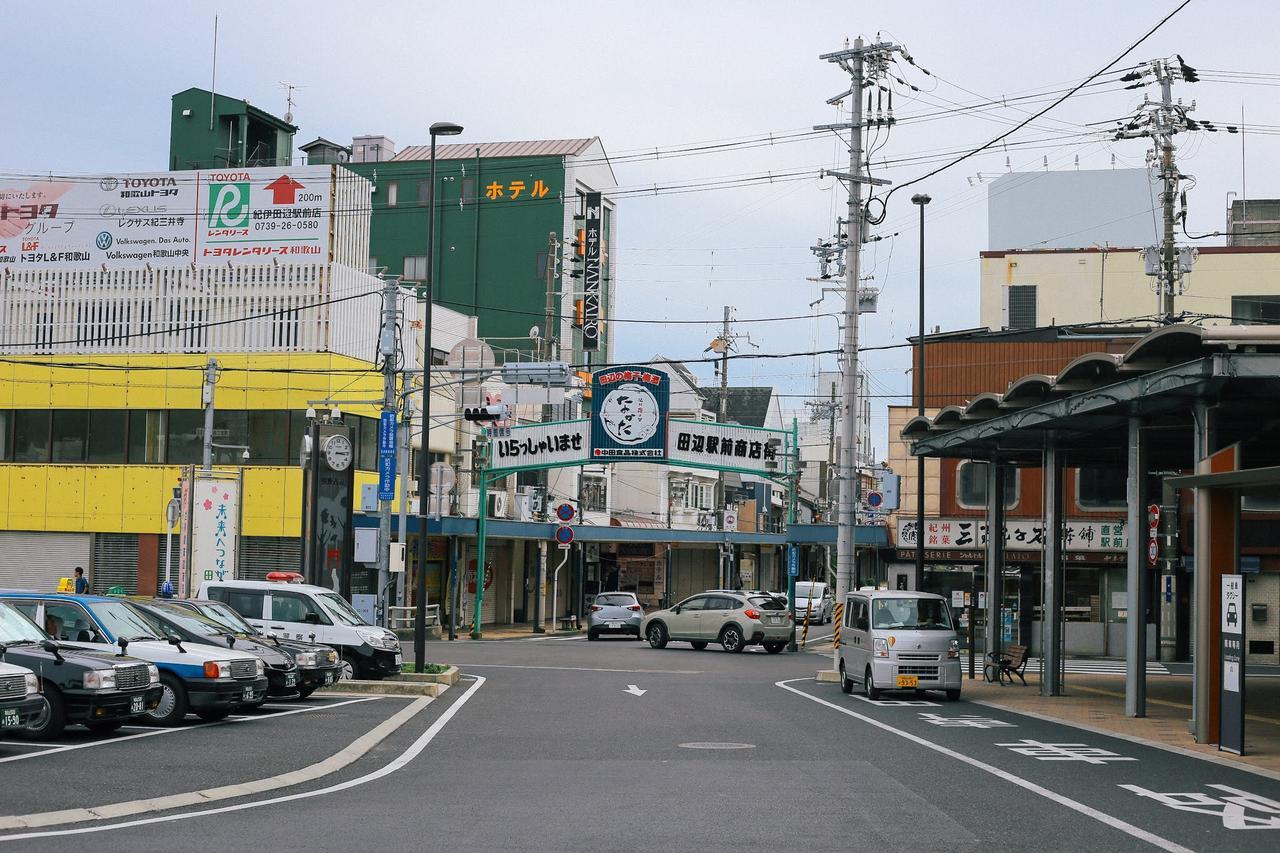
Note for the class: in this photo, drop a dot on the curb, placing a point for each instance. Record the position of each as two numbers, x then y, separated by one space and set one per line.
332 764
828 676
448 678
387 687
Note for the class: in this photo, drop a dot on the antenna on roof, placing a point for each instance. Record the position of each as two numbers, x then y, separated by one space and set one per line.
288 99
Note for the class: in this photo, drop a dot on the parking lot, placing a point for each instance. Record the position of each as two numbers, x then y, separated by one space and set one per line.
84 770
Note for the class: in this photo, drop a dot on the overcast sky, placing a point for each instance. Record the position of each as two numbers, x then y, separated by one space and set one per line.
89 88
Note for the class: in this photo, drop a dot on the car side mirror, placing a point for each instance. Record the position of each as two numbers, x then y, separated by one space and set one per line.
676 609
312 619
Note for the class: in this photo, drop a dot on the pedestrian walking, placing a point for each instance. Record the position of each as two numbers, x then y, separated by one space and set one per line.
82 583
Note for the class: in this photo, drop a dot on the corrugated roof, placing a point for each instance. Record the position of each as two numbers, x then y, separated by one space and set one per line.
528 148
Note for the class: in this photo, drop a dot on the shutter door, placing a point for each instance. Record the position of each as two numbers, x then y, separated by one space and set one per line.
37 560
262 554
115 563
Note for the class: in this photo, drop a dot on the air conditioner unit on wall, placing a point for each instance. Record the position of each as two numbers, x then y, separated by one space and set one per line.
498 505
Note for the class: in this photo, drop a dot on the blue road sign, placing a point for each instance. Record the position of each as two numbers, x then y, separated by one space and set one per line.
565 512
386 476
387 432
564 535
793 561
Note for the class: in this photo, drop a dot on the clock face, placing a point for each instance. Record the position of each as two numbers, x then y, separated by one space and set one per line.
337 452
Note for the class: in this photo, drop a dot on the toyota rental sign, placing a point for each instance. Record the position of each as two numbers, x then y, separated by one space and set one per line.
167 219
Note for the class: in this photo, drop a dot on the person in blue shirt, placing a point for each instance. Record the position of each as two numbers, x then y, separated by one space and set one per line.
82 583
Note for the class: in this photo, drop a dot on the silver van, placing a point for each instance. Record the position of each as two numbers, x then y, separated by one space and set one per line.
898 640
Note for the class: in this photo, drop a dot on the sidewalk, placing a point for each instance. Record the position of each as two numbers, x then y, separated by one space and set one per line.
1097 702
522 631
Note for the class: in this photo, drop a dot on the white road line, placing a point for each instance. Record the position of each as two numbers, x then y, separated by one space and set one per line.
577 668
1053 796
25 745
166 731
410 753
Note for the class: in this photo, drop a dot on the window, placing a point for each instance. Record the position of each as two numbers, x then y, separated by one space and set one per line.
697 603
30 436
911 614
468 190
268 437
1255 309
5 419
393 194
185 429
146 437
1020 308
859 609
70 622
699 496
366 438
107 436
616 599
593 494
246 602
1102 488
424 192
290 607
1261 500
373 265
971 485
415 267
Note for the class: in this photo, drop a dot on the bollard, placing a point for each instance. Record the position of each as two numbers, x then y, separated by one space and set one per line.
838 619
804 633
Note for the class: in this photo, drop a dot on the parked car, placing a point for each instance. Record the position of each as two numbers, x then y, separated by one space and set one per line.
817 599
318 665
100 690
207 681
615 613
21 703
898 640
735 620
303 611
282 672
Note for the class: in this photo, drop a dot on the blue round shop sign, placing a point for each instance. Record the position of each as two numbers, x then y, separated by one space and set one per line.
564 535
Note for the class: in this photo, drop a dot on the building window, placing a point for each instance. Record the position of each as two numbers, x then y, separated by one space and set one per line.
373 265
6 419
971 486
1102 488
1255 309
415 267
107 436
424 192
186 427
30 435
393 194
468 190
366 438
1020 312
147 437
699 496
268 438
70 435
594 494
1261 500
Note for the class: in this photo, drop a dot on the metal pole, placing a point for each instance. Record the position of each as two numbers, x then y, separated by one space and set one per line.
481 574
403 441
920 200
538 593
555 586
1051 624
793 480
388 349
995 555
424 451
1135 651
722 415
210 380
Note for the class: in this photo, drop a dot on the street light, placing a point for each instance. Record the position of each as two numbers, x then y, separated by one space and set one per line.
440 128
920 200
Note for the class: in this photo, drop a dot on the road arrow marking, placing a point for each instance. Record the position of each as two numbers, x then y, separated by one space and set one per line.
635 691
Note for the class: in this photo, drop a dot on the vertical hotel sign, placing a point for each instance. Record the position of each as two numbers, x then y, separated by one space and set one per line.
591 272
215 529
629 417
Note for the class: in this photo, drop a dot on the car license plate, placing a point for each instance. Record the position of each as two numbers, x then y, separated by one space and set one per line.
907 681
136 705
9 719
291 679
615 624
330 677
250 694
399 657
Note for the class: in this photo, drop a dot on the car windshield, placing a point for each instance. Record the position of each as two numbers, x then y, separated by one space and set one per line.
911 613
16 628
121 620
188 621
807 590
224 615
767 602
338 609
615 600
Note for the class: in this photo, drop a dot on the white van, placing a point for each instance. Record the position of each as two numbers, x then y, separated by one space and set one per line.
899 640
315 613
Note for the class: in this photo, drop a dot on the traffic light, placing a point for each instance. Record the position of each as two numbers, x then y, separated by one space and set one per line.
495 412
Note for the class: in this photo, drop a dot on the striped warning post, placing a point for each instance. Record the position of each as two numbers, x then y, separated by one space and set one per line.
804 633
838 618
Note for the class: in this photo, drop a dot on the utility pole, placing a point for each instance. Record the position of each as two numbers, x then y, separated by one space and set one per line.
1170 176
545 339
546 352
210 380
722 415
388 352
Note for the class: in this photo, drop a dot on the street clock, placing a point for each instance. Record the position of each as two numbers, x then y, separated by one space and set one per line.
337 452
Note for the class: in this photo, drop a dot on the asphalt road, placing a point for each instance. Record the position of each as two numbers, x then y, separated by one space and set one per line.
545 748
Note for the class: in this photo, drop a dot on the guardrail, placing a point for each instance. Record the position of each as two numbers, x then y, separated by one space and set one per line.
404 618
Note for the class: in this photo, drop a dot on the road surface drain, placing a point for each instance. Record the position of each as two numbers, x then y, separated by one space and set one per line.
717 746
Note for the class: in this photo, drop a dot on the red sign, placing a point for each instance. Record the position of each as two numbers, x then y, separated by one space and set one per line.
1153 552
471 576
284 190
1153 516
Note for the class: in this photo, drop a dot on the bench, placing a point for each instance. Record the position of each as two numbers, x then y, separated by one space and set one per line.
569 623
1011 661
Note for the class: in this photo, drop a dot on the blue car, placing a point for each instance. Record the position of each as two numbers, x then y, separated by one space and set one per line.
208 681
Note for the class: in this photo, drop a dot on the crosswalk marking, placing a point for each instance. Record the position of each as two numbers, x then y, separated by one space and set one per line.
1086 666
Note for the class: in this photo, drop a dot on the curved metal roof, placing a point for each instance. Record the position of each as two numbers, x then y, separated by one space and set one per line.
1163 348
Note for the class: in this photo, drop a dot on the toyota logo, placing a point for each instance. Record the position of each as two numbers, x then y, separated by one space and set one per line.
108 184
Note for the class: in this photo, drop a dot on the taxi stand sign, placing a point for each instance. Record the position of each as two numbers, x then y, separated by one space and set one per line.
1231 708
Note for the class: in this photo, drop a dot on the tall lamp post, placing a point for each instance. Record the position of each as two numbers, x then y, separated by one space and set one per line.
440 128
920 200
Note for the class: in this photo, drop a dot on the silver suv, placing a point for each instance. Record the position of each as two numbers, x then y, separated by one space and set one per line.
735 620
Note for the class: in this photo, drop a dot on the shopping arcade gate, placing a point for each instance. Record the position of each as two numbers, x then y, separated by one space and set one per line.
630 423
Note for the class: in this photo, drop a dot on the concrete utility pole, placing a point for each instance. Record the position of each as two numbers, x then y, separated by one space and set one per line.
388 352
722 415
210 380
546 352
545 340
1168 271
